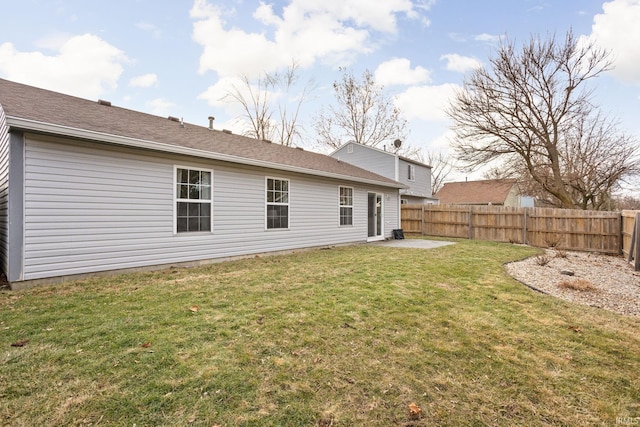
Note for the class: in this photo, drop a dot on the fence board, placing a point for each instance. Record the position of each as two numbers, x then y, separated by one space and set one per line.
628 219
595 231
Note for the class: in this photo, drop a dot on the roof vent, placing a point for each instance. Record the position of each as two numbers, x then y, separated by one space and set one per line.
227 131
268 141
173 119
105 103
300 148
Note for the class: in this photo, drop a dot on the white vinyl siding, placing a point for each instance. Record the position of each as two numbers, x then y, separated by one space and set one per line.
4 194
420 185
368 158
346 205
83 215
391 213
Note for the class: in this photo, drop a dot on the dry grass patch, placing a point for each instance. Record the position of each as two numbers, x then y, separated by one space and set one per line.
580 285
543 259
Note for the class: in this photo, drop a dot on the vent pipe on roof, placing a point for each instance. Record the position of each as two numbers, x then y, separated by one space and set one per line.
211 119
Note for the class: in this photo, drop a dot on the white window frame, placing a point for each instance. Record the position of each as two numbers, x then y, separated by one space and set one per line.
267 203
412 172
176 199
340 206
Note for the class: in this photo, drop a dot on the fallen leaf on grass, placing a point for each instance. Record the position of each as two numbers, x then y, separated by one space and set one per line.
146 345
575 328
20 343
194 308
414 410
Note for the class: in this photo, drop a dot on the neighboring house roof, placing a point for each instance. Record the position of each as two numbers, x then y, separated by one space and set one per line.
42 111
493 191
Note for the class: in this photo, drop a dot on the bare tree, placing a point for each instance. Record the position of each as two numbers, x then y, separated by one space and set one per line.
270 108
627 201
363 113
532 111
441 167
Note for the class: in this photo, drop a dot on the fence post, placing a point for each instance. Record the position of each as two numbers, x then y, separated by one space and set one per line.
635 243
524 227
637 234
470 224
621 237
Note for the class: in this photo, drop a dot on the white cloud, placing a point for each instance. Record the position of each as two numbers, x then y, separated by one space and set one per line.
216 93
426 102
307 31
155 32
161 107
84 66
398 71
442 143
617 30
53 41
145 80
487 38
460 63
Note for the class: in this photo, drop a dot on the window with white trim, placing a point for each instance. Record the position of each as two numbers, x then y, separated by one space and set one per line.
277 203
193 200
346 206
411 173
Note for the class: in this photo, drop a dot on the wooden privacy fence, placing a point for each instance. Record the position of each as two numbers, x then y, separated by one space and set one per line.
594 231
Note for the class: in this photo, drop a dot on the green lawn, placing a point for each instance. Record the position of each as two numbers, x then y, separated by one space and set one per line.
343 337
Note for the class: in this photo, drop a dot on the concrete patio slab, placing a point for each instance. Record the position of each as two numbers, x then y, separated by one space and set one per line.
413 243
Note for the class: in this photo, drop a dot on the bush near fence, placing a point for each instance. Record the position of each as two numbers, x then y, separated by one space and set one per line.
590 231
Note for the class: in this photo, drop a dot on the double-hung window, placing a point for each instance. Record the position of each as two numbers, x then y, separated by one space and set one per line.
346 206
411 173
193 200
277 203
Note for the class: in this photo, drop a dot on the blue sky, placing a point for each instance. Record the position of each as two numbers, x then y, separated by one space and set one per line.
179 57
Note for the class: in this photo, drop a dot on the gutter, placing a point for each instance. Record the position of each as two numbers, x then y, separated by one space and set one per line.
59 130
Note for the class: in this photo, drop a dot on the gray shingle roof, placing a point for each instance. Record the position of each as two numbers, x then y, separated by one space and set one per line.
51 108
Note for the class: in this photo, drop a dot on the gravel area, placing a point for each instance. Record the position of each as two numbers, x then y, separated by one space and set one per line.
601 281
